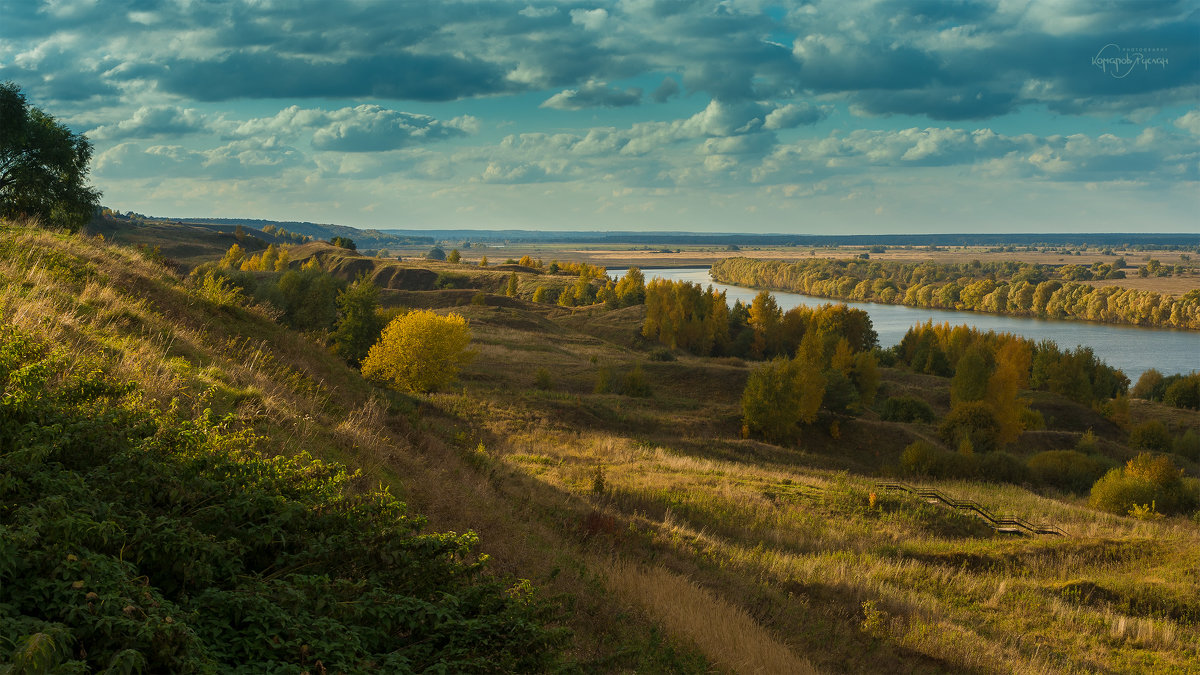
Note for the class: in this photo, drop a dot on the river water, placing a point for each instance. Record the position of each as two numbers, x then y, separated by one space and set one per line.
1131 348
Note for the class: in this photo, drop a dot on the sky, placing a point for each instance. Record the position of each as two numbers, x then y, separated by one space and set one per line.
821 117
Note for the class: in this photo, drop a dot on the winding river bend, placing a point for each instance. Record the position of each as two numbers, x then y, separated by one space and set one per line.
1132 349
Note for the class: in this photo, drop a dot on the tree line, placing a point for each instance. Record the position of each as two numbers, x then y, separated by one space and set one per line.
1015 288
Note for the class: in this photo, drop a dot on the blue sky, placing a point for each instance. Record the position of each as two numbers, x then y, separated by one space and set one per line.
831 116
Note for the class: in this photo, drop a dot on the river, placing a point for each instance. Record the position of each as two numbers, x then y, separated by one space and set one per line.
1131 348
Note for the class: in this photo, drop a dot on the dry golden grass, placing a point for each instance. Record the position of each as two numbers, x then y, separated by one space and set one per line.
725 633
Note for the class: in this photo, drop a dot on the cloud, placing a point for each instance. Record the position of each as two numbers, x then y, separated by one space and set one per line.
593 95
590 19
364 128
1189 122
151 122
236 160
400 75
666 91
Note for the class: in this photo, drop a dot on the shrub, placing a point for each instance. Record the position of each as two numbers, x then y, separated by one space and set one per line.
635 383
1001 467
169 545
661 354
1148 385
925 459
451 280
1152 435
906 409
1188 445
542 379
973 420
1144 480
436 253
1066 469
420 351
604 383
1184 392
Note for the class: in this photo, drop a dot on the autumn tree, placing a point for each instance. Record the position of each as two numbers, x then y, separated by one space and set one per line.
419 351
453 256
780 394
766 320
631 289
513 282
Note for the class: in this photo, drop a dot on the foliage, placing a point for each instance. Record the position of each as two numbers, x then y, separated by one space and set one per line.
1069 470
513 284
974 422
43 166
1179 390
780 394
453 257
906 409
1006 287
436 253
218 290
420 351
631 289
344 242
358 325
1146 480
133 540
1151 435
926 459
635 383
1188 445
1019 362
542 379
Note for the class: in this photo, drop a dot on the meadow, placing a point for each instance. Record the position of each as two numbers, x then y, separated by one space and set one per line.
665 540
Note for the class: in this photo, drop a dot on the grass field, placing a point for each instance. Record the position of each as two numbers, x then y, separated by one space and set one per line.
670 543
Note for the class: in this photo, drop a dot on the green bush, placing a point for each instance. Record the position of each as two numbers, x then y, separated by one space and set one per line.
1188 445
542 379
925 459
169 545
1152 435
1001 467
973 421
1069 470
906 409
635 383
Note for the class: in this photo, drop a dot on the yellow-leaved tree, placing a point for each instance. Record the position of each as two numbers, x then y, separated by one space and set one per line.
420 351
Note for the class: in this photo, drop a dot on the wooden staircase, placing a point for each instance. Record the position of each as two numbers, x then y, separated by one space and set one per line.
1002 523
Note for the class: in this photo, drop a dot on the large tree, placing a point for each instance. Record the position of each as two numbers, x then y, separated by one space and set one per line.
43 166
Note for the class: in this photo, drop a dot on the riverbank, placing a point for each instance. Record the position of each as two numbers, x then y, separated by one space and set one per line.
1011 289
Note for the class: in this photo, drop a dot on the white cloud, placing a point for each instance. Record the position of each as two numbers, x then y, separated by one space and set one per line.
590 19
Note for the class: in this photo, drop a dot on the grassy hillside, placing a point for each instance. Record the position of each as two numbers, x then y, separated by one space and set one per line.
247 386
667 541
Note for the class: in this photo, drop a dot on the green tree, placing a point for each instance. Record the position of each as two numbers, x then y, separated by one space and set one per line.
454 256
344 242
358 325
420 351
971 375
436 253
43 166
780 394
974 422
